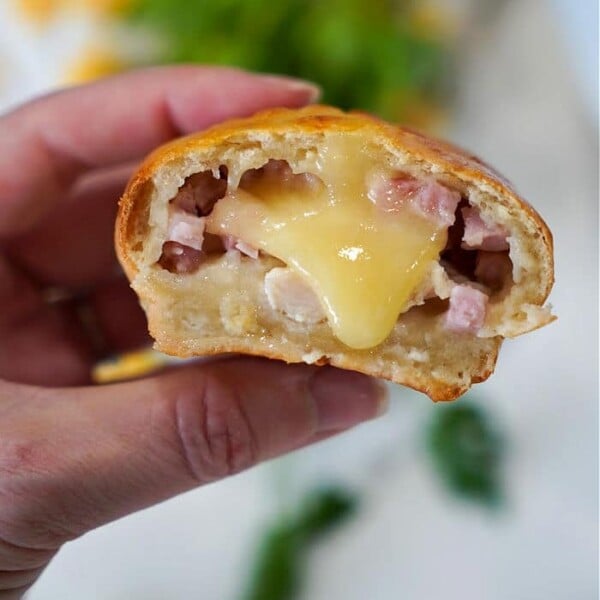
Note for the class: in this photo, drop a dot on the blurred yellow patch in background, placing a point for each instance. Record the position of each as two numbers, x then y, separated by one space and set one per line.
93 63
128 366
42 11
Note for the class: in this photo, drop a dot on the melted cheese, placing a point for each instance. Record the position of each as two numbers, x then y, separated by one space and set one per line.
363 263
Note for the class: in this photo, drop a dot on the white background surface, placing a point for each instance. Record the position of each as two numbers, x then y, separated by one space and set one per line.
522 108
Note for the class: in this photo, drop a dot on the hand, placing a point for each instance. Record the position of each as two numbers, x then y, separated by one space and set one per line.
73 458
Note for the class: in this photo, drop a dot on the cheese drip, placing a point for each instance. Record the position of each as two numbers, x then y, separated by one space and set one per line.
363 263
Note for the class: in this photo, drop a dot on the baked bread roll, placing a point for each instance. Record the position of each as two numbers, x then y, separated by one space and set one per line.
325 237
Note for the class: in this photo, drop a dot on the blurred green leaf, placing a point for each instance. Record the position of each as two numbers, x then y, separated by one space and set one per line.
467 452
366 54
279 563
322 510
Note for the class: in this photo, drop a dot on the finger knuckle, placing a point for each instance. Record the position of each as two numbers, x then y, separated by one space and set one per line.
24 525
17 470
216 436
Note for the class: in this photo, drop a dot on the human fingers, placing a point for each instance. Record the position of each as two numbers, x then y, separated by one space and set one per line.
74 459
46 144
99 314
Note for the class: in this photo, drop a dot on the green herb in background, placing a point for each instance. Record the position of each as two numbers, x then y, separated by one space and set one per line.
367 54
467 452
277 573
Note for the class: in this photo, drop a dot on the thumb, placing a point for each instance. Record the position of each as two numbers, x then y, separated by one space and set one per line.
74 459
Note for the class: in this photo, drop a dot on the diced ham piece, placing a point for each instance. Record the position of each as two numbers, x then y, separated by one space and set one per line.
229 242
273 170
278 169
480 235
185 229
179 259
182 250
184 200
493 269
288 293
466 313
426 197
246 249
199 193
232 243
437 203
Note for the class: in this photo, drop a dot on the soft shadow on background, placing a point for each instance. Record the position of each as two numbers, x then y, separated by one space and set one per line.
495 496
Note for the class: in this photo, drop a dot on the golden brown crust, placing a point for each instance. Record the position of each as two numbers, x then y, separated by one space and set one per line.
438 156
315 119
437 390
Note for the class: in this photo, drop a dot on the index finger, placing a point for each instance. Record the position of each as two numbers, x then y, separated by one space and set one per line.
46 144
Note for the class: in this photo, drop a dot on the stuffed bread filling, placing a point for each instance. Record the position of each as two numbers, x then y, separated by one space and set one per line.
376 242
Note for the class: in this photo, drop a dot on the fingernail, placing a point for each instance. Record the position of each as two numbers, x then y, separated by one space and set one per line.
346 398
311 90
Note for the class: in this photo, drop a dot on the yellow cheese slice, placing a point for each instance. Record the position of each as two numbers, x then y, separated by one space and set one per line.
364 263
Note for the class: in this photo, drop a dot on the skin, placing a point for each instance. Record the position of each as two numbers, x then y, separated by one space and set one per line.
74 456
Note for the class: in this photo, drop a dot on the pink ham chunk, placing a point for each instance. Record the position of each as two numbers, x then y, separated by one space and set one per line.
179 259
199 193
426 197
232 243
246 249
290 294
466 313
493 269
185 229
480 235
